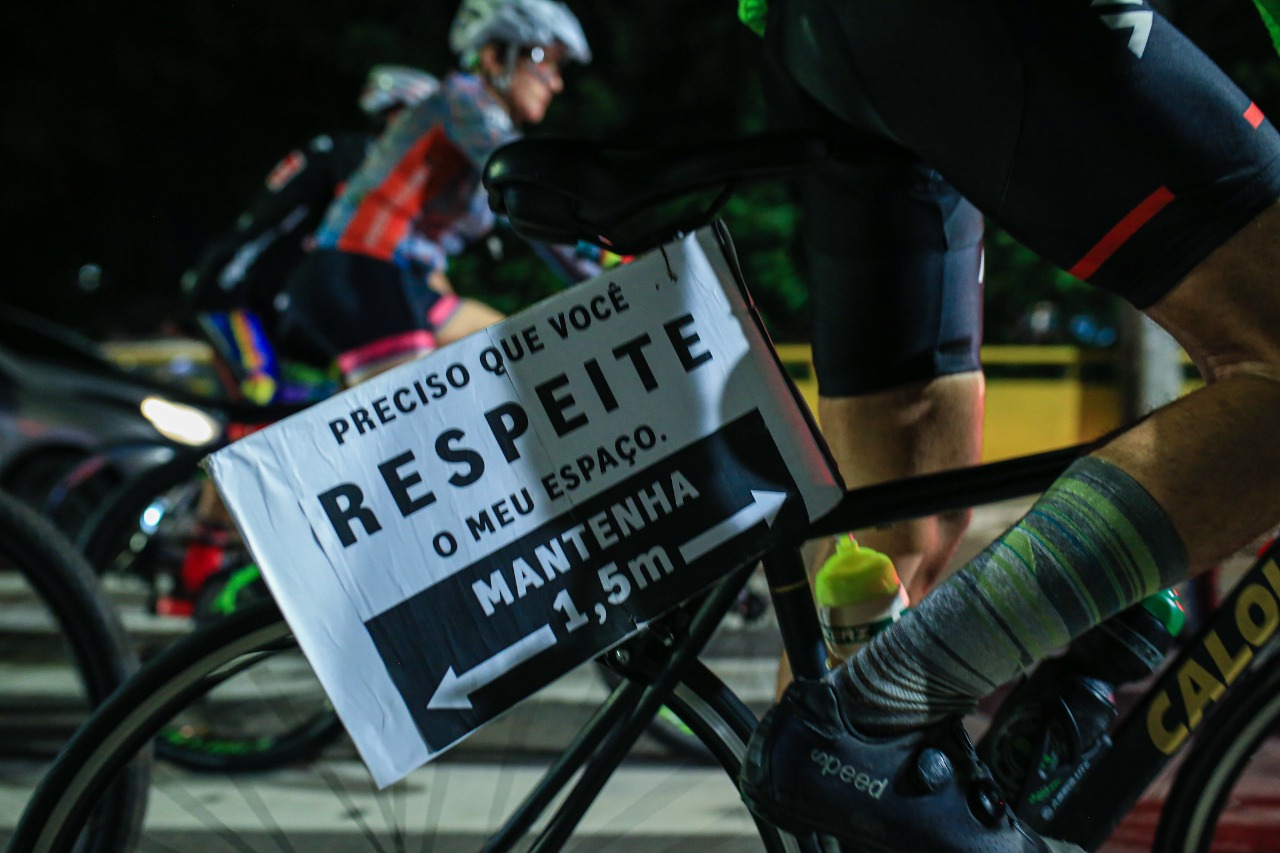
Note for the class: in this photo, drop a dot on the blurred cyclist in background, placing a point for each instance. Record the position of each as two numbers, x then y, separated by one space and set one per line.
236 284
236 290
371 291
374 292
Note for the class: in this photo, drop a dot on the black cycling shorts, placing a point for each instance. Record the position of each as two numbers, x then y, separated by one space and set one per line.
357 311
1092 131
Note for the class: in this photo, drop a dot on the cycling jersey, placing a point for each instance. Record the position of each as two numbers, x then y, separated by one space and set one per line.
1094 133
417 197
247 267
363 295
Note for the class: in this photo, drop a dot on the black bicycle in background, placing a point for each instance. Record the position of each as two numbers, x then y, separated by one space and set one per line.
63 650
554 774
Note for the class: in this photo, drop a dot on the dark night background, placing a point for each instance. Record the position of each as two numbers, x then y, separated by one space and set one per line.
133 132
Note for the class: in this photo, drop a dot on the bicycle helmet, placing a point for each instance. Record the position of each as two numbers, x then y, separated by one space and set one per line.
516 23
390 86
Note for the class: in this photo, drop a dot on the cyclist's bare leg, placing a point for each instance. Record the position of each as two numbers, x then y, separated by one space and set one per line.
916 429
1211 459
210 509
471 316
1169 497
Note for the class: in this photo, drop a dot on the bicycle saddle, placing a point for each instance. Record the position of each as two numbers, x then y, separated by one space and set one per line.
565 190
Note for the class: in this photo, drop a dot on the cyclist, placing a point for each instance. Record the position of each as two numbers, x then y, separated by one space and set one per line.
236 284
235 288
374 292
1101 138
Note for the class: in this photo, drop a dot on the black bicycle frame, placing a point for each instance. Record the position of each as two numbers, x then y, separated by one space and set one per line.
1242 629
601 745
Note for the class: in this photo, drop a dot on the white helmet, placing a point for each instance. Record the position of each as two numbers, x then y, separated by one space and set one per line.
391 86
518 23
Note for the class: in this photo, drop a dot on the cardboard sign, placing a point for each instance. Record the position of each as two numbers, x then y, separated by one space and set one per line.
456 533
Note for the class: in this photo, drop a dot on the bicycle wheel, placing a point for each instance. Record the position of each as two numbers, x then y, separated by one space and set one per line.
62 651
453 803
1226 796
135 539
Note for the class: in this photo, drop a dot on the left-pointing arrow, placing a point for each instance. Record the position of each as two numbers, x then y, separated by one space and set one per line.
454 692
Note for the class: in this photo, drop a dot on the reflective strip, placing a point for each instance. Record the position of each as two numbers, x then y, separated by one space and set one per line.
1119 235
419 340
1254 115
443 310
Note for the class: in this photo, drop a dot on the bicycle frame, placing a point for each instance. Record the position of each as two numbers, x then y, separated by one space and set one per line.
1240 630
1186 694
602 744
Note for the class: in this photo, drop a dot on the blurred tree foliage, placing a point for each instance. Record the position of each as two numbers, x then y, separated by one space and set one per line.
135 132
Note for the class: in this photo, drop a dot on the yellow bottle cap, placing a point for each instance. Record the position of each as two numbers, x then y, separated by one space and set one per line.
854 574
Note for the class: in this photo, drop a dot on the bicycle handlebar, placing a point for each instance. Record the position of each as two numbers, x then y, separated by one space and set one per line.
565 190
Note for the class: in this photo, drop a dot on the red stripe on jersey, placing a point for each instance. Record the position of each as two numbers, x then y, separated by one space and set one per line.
1254 115
1120 233
387 212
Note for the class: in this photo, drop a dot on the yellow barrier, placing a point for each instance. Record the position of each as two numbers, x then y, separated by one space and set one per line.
1038 397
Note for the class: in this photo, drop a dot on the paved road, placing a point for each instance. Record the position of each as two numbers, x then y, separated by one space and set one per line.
660 801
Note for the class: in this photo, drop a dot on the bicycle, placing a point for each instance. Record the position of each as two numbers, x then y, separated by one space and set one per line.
136 536
62 651
563 190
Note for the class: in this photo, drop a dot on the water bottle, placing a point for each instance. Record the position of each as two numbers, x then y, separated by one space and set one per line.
1130 645
858 595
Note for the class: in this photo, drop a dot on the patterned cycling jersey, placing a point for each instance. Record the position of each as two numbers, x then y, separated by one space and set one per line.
417 196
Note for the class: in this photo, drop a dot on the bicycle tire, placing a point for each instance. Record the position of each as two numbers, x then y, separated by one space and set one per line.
222 649
1201 805
94 637
115 520
104 539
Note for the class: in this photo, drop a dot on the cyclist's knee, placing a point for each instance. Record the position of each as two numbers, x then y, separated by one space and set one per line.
1226 310
467 317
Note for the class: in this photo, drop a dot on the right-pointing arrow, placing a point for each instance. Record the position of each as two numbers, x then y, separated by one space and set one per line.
764 507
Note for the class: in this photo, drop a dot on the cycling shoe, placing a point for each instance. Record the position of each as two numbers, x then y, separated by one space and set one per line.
1046 735
808 770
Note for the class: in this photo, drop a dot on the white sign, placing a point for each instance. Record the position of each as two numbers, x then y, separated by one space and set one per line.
456 533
